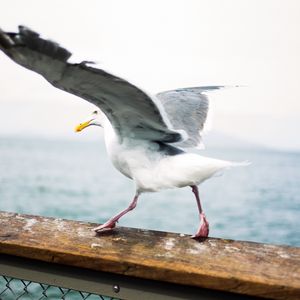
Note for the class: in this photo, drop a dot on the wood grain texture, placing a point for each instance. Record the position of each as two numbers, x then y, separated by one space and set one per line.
241 267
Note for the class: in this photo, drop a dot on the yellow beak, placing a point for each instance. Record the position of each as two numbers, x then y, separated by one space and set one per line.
82 126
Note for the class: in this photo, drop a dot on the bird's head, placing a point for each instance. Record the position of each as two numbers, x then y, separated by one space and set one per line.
95 119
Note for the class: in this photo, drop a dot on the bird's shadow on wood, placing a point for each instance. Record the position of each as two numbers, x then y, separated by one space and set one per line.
106 233
200 239
132 236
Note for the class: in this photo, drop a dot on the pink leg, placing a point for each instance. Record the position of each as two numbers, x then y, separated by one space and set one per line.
204 225
111 223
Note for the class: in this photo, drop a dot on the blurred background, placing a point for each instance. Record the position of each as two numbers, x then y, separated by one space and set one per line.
47 169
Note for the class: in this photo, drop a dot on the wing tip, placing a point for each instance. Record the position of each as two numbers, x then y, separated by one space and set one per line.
32 40
26 31
5 41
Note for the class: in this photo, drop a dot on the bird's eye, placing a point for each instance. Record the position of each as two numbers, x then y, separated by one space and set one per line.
95 112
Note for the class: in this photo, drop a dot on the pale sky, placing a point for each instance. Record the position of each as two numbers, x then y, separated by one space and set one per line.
161 45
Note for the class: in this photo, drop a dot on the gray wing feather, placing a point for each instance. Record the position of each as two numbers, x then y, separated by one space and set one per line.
131 111
187 110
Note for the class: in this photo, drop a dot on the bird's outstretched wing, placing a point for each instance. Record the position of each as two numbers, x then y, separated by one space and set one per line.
187 110
131 111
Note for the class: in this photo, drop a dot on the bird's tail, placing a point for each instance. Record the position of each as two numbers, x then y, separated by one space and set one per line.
239 163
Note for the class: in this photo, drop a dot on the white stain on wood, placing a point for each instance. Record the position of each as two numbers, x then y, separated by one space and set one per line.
94 245
231 249
169 244
198 248
29 224
60 224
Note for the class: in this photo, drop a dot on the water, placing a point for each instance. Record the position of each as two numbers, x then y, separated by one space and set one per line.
75 180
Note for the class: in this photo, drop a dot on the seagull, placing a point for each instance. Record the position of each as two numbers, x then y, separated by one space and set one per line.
147 137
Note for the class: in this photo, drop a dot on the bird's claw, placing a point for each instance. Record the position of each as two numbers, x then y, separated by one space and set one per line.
203 229
109 225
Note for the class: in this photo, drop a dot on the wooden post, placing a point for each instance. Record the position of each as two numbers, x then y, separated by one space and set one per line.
234 266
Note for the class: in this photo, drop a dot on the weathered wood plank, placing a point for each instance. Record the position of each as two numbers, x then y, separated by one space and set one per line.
241 267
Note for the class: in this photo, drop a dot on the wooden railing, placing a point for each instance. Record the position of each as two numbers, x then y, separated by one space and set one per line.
212 265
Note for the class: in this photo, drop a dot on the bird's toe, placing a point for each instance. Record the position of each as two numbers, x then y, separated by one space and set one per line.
105 227
203 230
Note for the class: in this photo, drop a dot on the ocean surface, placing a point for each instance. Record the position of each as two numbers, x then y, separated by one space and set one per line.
75 180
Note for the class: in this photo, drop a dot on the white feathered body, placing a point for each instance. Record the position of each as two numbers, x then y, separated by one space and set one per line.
152 170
